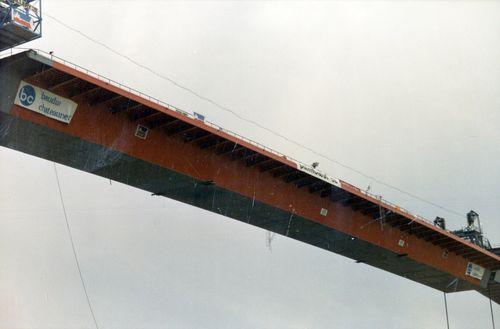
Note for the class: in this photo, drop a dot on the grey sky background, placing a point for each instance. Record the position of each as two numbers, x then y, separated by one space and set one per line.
404 91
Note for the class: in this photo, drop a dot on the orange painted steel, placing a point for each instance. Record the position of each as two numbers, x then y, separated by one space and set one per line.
346 186
116 131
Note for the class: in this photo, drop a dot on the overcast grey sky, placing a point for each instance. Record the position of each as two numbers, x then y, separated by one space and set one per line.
407 92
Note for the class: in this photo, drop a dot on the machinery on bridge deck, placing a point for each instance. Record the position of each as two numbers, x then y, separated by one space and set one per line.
20 22
473 232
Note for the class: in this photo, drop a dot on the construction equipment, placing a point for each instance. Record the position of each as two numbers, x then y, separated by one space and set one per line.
20 22
473 232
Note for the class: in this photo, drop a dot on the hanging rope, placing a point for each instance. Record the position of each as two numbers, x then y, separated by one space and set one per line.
491 308
446 310
74 249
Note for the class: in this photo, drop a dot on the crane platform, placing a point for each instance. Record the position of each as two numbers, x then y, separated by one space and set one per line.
20 22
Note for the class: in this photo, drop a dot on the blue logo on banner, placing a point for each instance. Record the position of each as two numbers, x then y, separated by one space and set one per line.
27 95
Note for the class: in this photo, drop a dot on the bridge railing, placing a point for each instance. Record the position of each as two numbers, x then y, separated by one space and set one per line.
150 98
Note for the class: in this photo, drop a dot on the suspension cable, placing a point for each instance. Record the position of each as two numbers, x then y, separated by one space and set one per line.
446 310
248 120
491 308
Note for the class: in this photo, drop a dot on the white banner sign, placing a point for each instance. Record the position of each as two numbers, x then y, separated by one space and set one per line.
475 271
44 102
318 174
